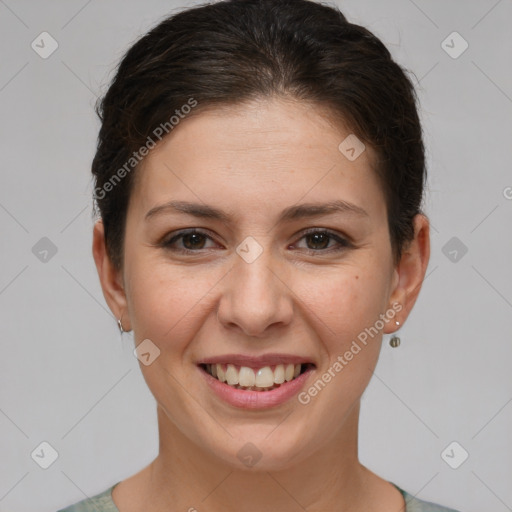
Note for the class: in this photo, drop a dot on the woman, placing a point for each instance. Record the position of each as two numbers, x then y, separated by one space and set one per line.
259 177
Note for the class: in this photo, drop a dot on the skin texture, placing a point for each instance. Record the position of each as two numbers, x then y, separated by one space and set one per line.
300 297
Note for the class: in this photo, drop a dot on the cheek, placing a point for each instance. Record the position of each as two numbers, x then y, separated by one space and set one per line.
346 301
167 301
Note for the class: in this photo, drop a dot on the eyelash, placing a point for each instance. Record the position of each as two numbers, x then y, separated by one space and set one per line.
342 242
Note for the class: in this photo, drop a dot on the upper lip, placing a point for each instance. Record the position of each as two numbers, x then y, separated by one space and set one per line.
256 361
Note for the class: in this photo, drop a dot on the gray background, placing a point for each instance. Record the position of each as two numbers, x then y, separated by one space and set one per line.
67 377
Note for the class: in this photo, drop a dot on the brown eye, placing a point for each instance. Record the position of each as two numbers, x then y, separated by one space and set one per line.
318 240
321 241
191 241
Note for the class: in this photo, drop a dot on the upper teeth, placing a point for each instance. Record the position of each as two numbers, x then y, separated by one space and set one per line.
261 378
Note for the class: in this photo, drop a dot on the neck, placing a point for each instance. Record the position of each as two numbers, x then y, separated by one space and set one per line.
186 476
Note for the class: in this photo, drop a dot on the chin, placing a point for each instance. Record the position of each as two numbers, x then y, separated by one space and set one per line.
257 451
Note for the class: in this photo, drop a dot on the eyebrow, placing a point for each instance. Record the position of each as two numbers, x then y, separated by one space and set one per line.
291 213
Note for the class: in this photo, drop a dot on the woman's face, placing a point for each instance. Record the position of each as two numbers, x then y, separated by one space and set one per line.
254 289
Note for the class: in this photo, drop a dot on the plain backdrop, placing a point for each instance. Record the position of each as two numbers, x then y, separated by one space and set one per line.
69 380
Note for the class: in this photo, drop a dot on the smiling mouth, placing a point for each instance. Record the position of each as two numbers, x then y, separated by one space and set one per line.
245 378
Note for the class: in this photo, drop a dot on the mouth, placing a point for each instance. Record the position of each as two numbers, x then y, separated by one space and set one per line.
262 379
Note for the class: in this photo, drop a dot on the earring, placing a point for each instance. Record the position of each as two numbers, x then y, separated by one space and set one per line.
120 325
395 340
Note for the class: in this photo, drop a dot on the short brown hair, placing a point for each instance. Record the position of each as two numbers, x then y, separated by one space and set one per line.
237 50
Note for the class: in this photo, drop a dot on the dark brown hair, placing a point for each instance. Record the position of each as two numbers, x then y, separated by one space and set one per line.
237 50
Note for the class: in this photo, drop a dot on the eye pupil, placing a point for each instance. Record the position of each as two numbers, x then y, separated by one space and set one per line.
194 237
317 237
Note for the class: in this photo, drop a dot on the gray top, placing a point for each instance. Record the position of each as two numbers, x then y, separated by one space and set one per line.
103 503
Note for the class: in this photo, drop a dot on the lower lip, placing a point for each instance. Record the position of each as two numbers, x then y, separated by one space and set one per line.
256 399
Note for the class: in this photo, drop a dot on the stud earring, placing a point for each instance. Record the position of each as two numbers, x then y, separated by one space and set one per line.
395 340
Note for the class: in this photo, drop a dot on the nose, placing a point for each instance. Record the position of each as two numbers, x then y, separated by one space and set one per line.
256 297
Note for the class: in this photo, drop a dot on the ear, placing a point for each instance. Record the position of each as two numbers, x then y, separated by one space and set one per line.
111 279
410 272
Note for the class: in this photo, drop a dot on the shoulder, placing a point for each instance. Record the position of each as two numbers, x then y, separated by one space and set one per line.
101 502
413 504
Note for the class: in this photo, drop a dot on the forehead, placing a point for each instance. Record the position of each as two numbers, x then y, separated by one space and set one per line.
264 151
